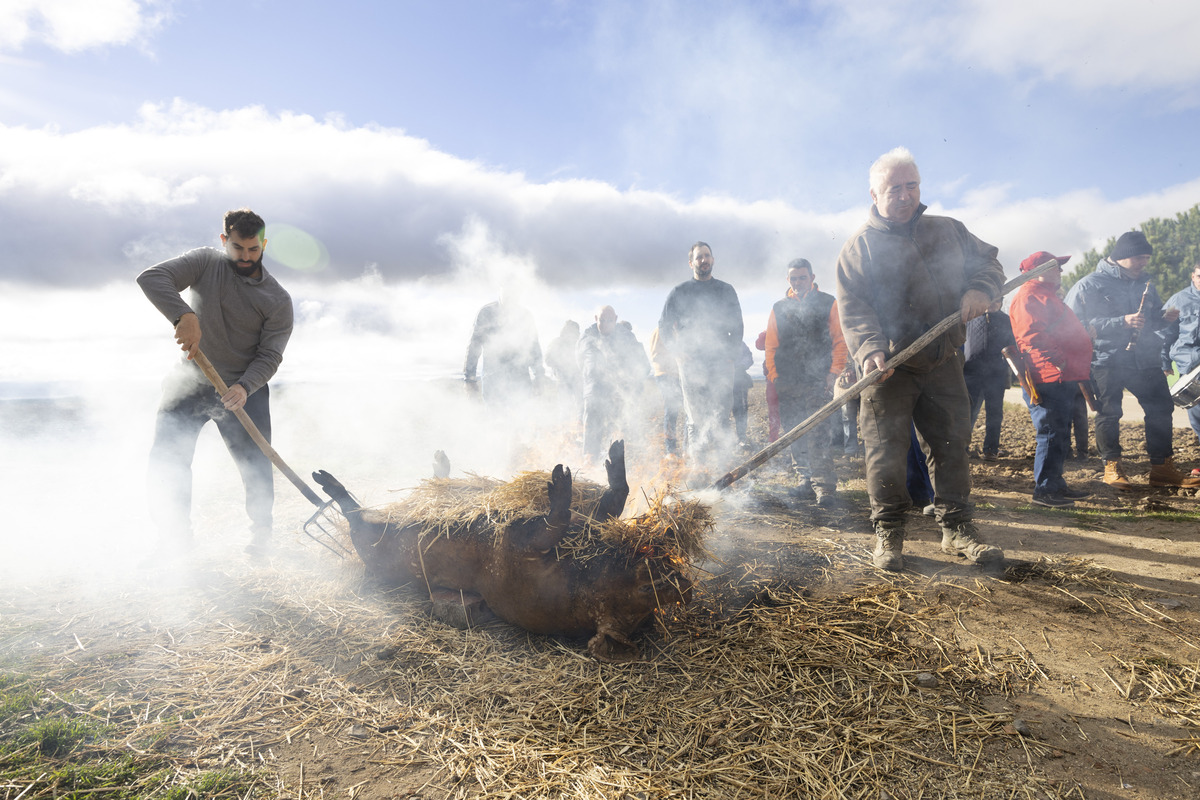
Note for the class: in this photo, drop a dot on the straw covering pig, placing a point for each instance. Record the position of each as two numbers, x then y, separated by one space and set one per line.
541 551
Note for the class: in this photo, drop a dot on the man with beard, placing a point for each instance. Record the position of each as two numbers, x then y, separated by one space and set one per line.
1121 309
701 324
898 276
244 319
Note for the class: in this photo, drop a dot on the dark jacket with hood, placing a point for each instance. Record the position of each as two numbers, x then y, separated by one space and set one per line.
1102 299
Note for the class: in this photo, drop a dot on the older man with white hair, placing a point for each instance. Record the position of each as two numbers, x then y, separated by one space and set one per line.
899 275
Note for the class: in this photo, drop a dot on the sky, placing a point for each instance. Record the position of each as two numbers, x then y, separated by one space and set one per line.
413 159
582 145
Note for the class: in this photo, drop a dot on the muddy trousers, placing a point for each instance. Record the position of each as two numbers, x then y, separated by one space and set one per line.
936 403
169 480
1149 386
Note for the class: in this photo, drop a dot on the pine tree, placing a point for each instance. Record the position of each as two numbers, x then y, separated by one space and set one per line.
1176 244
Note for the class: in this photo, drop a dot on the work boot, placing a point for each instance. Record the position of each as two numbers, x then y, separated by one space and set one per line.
889 546
826 495
1167 474
1115 476
804 490
963 539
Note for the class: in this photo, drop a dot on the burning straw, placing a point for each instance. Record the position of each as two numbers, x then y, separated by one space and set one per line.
672 527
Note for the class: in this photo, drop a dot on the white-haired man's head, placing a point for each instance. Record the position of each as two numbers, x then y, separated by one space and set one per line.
896 185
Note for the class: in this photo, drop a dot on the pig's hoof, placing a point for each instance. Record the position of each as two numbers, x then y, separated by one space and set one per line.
612 648
459 609
441 464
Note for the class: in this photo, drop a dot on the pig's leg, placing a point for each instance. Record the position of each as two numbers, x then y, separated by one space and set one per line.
612 503
559 518
333 487
612 646
441 464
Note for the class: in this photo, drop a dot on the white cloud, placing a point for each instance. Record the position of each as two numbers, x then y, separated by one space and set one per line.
371 195
76 25
89 207
1103 44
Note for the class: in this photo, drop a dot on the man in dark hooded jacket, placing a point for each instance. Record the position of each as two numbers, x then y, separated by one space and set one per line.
1122 311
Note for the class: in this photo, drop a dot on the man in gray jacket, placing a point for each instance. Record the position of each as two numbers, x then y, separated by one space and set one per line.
244 319
898 276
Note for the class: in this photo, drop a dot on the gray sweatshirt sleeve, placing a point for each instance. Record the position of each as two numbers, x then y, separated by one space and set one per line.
245 324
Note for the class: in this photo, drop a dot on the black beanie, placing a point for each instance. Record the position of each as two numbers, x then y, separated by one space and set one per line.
1131 243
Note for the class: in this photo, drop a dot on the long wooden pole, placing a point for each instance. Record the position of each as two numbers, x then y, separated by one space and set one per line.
215 379
859 386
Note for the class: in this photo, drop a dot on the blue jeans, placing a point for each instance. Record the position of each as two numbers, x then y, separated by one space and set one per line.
920 488
1052 423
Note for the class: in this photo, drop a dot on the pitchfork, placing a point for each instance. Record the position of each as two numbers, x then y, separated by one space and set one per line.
324 522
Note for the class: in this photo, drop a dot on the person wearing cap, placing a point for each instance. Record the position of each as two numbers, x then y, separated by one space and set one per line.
805 356
1122 311
1183 338
898 276
1058 350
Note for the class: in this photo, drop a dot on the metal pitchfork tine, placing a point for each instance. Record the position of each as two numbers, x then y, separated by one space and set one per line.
771 450
323 524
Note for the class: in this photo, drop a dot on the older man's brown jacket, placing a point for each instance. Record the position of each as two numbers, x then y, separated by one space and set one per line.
896 281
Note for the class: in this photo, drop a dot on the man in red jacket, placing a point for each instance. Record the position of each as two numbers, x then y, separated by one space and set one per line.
1059 351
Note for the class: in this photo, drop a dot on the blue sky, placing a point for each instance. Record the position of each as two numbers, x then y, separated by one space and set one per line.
443 148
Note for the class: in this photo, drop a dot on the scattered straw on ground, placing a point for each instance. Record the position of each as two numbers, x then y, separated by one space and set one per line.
777 696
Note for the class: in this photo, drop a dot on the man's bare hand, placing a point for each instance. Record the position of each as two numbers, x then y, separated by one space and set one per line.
974 303
1170 314
187 333
235 398
877 361
1135 320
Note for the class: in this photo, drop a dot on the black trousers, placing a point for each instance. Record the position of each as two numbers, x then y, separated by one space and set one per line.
181 416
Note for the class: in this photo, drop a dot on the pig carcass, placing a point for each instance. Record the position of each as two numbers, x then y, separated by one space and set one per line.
542 551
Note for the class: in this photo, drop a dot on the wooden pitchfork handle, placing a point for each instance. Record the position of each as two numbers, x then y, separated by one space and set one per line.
769 452
211 373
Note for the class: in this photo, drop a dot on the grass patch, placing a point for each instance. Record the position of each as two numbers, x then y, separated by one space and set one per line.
49 751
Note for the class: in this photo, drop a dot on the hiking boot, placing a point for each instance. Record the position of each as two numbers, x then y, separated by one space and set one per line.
963 539
1115 476
1075 494
826 495
1052 500
889 546
804 490
1167 474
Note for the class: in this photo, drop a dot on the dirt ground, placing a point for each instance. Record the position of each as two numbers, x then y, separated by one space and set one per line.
1078 665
